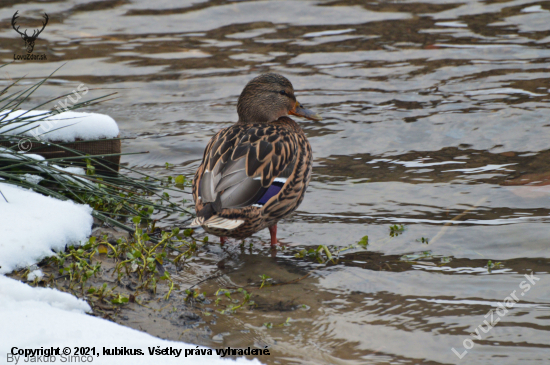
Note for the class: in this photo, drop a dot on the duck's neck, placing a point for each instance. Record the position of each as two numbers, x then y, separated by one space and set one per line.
245 121
260 117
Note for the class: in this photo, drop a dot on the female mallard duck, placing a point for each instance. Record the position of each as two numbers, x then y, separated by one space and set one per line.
255 172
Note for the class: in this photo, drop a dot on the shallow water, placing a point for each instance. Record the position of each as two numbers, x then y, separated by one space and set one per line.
435 117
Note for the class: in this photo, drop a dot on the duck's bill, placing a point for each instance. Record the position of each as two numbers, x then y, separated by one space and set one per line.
299 111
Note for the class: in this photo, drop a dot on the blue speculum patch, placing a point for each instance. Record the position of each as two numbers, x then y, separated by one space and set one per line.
273 190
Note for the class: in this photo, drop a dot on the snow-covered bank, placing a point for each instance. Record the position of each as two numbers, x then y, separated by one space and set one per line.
63 127
32 225
32 318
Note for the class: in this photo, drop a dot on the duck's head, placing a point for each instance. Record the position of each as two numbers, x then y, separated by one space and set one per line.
268 97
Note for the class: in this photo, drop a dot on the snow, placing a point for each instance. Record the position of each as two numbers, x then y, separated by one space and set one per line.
13 292
63 127
42 317
33 179
32 225
34 274
72 170
19 155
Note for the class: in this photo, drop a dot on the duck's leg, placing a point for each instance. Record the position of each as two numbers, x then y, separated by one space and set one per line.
273 233
222 240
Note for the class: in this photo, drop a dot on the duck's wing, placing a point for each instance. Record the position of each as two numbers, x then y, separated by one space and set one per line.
246 165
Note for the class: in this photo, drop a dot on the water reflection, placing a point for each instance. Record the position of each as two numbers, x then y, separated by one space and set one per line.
435 117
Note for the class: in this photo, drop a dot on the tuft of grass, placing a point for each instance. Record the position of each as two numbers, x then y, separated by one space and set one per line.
136 266
423 255
364 242
270 325
324 254
264 278
493 265
317 254
396 230
423 240
234 304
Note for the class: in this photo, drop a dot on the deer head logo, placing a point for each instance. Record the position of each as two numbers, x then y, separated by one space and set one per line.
29 40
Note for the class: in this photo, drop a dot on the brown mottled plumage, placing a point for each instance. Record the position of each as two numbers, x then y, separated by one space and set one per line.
255 172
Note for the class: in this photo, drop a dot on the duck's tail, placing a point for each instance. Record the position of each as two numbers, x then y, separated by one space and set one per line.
207 217
196 223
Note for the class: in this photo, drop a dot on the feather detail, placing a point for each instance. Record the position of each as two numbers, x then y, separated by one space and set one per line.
216 222
243 161
197 222
223 223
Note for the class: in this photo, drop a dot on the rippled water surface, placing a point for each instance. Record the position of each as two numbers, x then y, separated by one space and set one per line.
435 118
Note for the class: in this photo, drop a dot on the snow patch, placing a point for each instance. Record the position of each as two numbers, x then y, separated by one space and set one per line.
33 179
63 127
13 292
35 274
33 225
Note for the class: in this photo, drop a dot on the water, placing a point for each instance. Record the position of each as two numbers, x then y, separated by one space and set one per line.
435 117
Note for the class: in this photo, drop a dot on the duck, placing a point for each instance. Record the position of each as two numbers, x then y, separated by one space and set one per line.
255 172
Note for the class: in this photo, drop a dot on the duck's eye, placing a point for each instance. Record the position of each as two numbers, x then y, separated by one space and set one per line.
282 92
